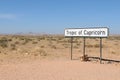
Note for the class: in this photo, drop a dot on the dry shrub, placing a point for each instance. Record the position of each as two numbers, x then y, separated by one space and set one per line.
4 42
62 41
13 47
53 39
21 38
60 38
34 42
40 52
17 42
41 38
10 40
76 47
78 44
43 53
97 45
42 46
113 52
53 47
25 41
66 45
37 51
89 46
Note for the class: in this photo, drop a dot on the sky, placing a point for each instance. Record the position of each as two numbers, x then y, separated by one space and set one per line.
53 16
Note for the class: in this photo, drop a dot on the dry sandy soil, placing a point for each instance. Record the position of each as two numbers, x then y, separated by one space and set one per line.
48 58
59 70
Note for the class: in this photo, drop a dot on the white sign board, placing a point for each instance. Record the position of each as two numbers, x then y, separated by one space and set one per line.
86 32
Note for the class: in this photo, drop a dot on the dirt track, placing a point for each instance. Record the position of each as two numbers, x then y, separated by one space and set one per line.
59 70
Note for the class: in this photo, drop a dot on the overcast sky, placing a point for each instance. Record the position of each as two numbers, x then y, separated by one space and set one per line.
53 16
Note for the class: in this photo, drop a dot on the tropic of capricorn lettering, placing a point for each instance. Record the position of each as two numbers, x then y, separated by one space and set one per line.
71 32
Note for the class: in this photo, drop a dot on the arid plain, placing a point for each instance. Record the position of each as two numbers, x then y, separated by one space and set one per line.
47 57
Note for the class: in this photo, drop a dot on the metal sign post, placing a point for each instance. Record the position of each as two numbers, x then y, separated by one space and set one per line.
71 46
84 47
100 50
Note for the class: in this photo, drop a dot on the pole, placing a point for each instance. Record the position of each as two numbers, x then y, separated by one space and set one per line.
71 46
100 50
84 47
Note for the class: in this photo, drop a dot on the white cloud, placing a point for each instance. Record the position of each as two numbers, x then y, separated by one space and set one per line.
7 16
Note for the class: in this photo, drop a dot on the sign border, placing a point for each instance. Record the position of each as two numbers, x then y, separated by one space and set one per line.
87 36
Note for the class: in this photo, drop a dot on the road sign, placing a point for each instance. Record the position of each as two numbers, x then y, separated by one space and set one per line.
86 32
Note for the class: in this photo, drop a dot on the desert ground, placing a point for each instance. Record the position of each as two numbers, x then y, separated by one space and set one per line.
47 57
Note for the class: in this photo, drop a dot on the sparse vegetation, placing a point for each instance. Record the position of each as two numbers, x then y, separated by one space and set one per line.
41 38
114 38
54 45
